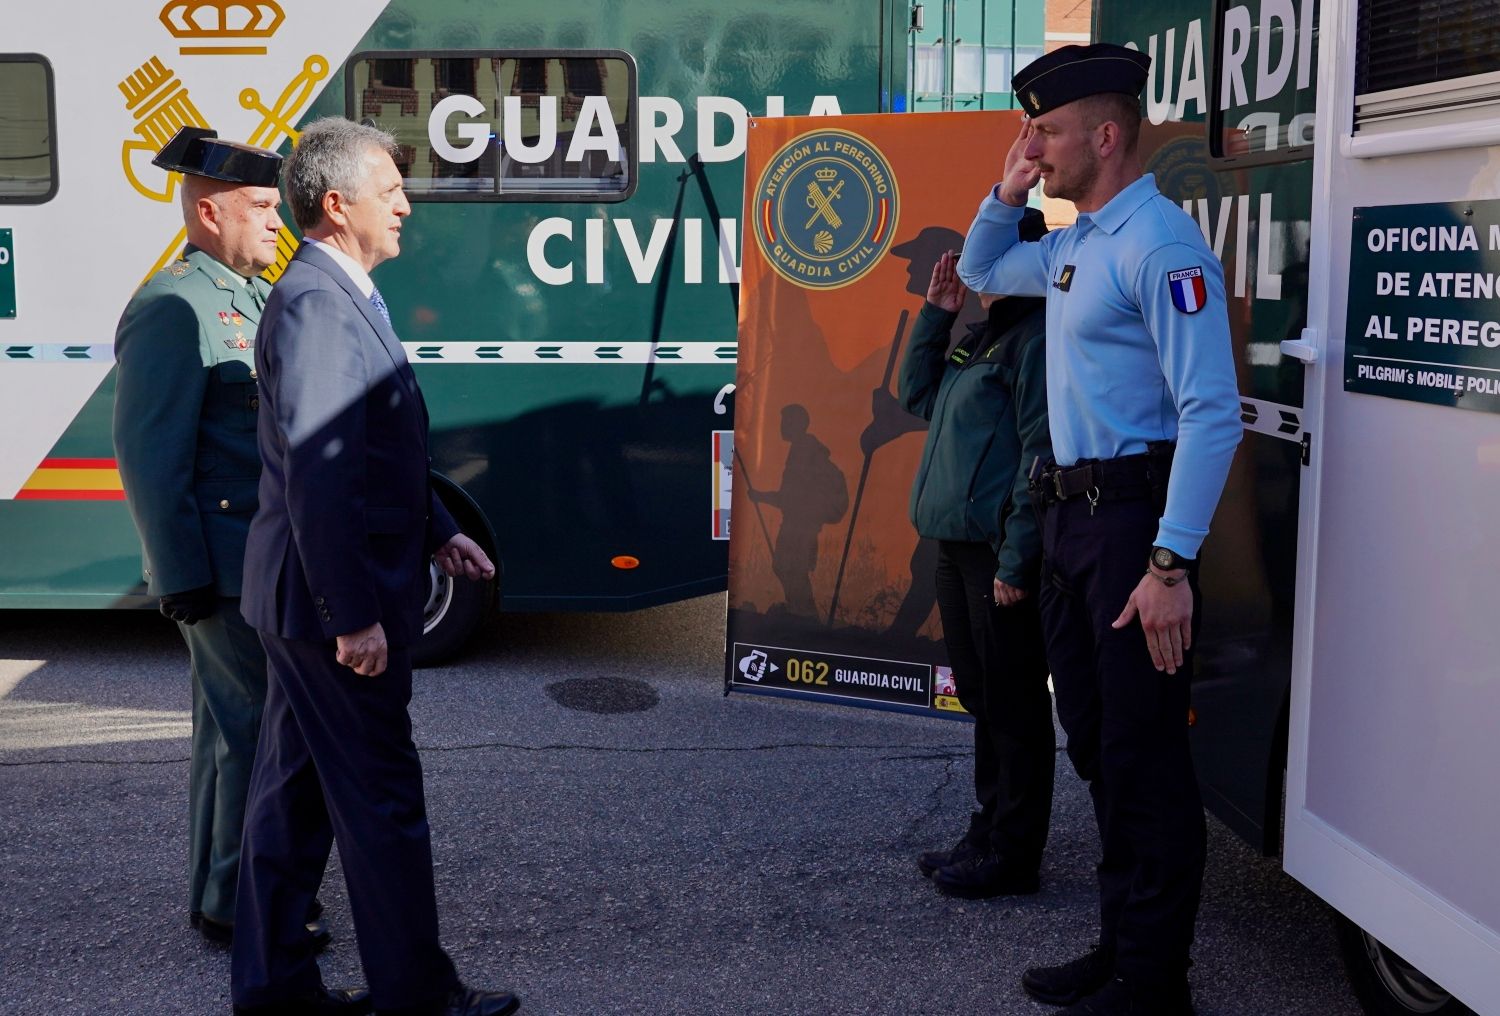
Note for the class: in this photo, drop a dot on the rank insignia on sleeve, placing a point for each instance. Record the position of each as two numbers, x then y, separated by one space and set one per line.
1188 292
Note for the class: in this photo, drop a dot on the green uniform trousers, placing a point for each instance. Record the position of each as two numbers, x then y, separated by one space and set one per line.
229 695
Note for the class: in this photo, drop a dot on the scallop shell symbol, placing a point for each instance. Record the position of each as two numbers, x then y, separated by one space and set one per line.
823 241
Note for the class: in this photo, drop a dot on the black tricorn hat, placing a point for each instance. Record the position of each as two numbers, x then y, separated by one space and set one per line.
201 152
1076 72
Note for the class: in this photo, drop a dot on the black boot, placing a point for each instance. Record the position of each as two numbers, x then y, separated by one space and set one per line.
984 875
1071 981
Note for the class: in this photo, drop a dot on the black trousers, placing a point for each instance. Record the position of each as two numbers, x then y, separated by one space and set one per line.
1000 668
336 761
1127 733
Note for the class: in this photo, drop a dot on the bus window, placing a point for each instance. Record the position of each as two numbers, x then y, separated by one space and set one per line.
493 125
1424 63
1263 81
28 122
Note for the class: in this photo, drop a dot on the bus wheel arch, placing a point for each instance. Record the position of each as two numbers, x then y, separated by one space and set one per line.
453 609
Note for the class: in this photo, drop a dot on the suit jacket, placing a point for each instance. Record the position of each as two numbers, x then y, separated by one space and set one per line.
347 516
184 421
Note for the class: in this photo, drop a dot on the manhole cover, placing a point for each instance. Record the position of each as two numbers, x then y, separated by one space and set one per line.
603 695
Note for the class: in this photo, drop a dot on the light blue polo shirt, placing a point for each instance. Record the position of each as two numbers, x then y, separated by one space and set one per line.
1137 339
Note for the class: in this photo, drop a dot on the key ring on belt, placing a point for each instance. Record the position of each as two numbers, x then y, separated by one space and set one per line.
1093 495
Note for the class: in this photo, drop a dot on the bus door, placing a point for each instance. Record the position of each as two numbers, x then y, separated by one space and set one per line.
1394 740
962 53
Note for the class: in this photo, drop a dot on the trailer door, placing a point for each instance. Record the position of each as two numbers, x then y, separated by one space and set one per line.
1395 727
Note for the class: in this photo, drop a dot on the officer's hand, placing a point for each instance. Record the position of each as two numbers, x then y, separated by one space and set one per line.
191 606
363 651
1007 595
945 290
1021 173
1166 615
462 556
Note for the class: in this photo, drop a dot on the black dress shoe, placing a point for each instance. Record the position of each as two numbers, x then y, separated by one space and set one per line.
464 1001
982 876
931 860
320 1002
1134 998
1071 981
221 935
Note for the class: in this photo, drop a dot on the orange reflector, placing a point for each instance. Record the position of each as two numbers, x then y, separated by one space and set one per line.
625 562
1192 716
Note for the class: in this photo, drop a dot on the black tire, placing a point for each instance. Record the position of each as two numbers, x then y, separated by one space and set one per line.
1387 985
454 608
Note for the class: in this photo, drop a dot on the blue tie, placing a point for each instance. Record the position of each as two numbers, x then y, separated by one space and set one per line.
379 303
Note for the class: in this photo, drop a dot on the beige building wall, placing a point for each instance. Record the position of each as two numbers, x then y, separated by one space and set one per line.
1068 22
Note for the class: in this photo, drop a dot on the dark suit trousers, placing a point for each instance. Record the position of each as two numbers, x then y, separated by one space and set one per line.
336 761
1001 675
1127 733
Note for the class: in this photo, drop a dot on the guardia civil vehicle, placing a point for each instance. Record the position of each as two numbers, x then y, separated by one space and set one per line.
1342 163
568 278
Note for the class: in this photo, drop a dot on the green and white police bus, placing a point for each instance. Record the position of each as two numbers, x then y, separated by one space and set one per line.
568 281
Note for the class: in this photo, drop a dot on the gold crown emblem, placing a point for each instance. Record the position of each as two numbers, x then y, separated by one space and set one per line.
222 19
826 174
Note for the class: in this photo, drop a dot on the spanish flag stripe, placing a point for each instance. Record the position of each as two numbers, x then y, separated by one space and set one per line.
30 494
765 216
78 464
74 479
880 226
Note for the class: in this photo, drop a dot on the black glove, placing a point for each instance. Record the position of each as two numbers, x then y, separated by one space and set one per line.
192 605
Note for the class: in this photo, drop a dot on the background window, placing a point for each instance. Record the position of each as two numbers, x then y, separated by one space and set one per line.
28 155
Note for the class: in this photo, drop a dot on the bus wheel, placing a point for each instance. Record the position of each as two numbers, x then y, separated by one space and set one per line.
450 615
1387 985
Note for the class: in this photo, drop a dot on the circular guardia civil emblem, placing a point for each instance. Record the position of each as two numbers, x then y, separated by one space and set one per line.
825 209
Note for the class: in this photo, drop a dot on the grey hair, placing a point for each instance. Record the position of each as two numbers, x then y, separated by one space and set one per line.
329 156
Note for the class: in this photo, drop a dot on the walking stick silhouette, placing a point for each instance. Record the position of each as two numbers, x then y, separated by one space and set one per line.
864 472
756 504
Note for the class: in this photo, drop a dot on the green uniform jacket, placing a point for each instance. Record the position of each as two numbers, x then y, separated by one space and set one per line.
987 408
184 424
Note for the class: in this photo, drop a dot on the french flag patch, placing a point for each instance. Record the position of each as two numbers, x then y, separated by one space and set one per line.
1188 292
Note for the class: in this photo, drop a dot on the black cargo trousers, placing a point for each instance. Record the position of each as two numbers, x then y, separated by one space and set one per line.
1127 727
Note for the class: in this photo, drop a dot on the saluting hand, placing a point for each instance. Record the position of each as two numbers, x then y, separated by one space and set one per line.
363 651
462 556
1021 172
945 290
1166 614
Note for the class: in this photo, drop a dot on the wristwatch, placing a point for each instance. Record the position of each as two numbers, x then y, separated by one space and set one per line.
1168 559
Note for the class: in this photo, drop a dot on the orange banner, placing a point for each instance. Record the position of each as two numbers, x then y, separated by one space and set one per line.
844 219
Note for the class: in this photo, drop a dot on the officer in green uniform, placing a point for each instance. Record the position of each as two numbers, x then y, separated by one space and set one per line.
185 440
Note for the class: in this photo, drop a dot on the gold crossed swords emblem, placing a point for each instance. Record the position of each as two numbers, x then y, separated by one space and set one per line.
822 204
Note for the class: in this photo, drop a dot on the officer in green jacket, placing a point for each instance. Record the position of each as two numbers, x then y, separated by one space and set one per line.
185 441
986 401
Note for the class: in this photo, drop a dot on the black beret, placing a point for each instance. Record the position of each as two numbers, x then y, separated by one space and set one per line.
1076 72
200 152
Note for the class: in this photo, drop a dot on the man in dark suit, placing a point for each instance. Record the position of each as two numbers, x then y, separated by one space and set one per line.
334 573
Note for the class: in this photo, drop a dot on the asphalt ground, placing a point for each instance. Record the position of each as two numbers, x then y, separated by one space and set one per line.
704 855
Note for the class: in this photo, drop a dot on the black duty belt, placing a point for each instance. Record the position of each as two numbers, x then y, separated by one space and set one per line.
1126 478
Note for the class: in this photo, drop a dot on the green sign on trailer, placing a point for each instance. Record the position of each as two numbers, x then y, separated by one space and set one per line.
1424 314
7 275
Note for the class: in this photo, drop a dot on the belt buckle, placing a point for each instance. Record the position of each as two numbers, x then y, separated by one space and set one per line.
1057 487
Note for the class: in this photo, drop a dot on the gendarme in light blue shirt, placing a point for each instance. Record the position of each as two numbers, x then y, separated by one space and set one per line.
1137 339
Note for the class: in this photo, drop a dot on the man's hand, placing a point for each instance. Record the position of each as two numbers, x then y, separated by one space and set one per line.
190 606
462 556
1166 614
945 290
1021 173
363 651
1007 595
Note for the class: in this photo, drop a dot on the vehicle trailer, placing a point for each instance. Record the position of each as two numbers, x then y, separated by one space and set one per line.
1341 163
